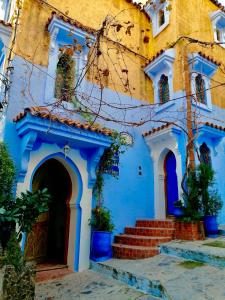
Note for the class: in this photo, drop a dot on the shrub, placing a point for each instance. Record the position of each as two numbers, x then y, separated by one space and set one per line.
101 220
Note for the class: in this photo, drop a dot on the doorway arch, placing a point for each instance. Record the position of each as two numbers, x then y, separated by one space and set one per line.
171 182
50 236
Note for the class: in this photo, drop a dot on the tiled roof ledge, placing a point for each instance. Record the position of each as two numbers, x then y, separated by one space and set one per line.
164 60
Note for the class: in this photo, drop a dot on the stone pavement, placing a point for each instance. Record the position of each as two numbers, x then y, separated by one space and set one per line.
198 250
174 277
84 286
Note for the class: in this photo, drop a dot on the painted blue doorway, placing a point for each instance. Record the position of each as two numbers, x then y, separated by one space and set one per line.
171 184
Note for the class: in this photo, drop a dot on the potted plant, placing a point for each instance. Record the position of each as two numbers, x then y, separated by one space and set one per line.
101 239
101 223
210 200
178 210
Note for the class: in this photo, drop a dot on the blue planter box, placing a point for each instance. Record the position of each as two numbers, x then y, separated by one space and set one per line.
101 246
211 226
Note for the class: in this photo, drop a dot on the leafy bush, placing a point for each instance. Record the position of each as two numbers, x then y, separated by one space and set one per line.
25 209
201 196
13 254
7 171
101 220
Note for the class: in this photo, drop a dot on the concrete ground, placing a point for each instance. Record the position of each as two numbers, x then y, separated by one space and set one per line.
84 286
169 277
179 279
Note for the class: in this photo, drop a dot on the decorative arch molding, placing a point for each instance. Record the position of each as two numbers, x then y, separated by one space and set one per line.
156 9
162 65
160 144
35 131
218 24
75 208
211 136
80 203
63 33
201 66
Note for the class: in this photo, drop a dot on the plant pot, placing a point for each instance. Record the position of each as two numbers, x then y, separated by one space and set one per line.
101 246
211 226
178 211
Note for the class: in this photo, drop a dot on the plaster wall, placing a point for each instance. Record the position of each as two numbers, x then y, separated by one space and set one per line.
35 46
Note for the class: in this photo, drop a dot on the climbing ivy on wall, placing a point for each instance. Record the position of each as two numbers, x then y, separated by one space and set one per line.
65 77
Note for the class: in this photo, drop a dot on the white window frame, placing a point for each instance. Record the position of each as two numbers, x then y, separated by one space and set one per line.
218 23
162 65
200 65
153 10
55 28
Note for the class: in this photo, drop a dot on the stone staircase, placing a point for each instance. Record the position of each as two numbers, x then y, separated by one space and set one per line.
142 241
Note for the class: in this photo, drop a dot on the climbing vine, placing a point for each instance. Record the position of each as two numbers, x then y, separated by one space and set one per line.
106 164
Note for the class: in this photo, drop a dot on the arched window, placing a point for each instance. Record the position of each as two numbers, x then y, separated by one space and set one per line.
218 34
65 76
200 89
205 155
161 17
164 94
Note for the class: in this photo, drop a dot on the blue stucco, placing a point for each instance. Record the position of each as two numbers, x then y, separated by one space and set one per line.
131 196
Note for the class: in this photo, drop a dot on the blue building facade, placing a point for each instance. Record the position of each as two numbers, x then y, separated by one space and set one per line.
41 134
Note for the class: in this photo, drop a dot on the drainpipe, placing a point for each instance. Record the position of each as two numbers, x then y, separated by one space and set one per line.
187 84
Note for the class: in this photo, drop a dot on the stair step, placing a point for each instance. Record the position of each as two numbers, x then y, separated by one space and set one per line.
133 252
138 240
150 231
155 223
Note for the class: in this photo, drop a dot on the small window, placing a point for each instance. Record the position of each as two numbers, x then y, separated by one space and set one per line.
205 155
200 89
218 35
164 94
161 17
65 76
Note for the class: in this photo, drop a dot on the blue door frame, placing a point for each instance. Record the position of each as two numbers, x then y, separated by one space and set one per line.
171 184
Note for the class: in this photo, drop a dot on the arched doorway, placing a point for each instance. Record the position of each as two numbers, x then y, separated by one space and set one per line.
171 183
51 233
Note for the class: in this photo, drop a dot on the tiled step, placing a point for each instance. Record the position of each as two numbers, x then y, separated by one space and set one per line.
155 223
148 231
133 252
138 240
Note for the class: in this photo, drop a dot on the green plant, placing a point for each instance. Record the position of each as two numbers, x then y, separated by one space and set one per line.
106 162
213 204
201 196
13 255
25 209
101 220
7 171
191 197
178 203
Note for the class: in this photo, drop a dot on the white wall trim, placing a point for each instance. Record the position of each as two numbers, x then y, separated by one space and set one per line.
160 143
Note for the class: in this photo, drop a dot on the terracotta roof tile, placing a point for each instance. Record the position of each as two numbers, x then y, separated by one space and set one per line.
221 128
138 6
156 129
218 4
71 22
5 24
214 126
44 113
159 53
209 58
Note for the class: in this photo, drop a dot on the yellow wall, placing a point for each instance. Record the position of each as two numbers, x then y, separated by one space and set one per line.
33 39
193 20
187 18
